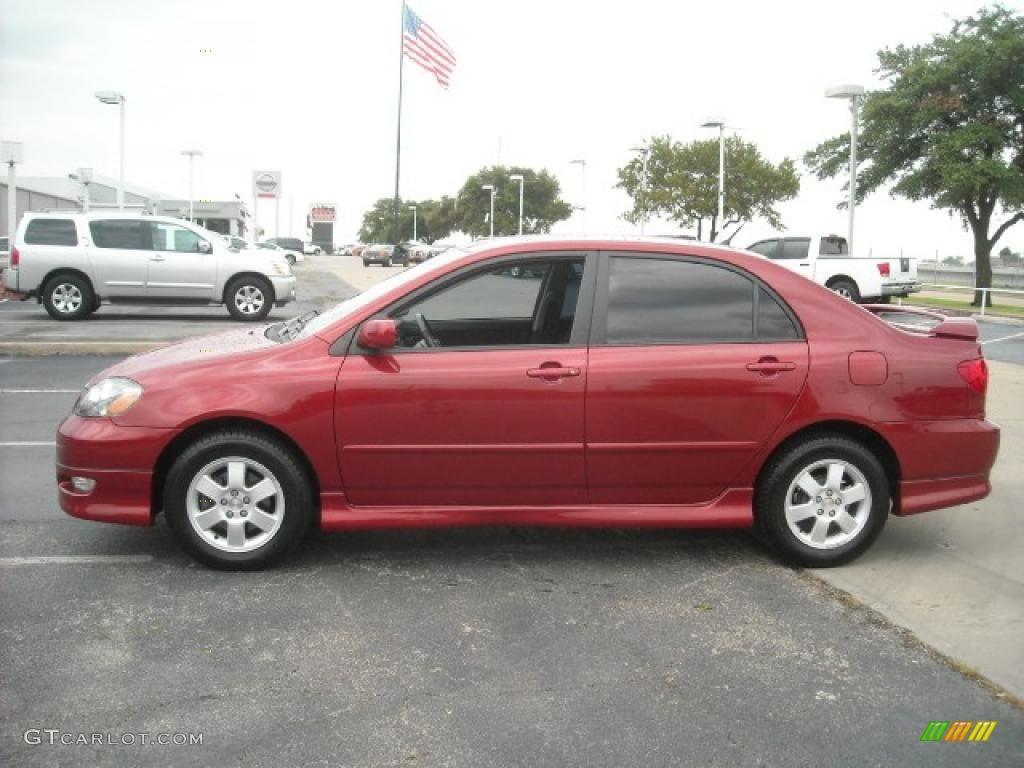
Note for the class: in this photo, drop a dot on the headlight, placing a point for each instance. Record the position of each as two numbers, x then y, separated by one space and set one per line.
110 397
281 267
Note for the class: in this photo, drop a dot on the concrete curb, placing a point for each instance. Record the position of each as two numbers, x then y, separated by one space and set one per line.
48 348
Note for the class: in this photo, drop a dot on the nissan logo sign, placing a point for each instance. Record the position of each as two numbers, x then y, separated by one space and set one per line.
266 183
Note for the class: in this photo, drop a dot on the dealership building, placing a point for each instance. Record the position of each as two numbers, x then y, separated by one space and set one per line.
67 193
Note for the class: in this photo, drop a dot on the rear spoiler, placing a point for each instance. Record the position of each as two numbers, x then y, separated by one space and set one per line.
946 327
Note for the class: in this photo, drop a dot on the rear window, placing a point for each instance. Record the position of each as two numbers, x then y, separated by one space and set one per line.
51 232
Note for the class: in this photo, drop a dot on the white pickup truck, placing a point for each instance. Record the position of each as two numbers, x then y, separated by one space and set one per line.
826 260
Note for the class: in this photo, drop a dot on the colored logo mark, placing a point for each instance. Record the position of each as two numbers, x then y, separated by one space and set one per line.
958 730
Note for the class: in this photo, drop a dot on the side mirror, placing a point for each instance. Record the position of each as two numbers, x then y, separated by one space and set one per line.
205 247
378 334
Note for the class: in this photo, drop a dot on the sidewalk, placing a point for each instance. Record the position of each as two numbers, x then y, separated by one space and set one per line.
955 577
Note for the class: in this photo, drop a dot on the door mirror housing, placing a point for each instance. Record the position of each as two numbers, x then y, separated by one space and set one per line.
204 247
378 334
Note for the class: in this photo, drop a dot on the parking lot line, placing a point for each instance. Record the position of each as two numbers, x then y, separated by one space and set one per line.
26 444
39 391
11 562
1004 338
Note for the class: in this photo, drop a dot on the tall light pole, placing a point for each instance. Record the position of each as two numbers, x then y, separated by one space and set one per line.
645 153
519 177
11 156
192 155
414 221
854 93
720 125
490 188
84 177
582 207
113 97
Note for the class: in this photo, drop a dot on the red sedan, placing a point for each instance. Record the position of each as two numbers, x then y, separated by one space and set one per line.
572 383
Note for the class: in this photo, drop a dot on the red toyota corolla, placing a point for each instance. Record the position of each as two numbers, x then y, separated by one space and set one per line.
543 382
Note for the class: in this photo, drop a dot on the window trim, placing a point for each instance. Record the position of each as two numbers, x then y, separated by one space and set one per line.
581 323
599 319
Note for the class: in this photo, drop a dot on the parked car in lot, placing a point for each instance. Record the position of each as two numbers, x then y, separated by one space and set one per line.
637 383
236 243
292 257
296 244
71 262
5 252
384 254
827 261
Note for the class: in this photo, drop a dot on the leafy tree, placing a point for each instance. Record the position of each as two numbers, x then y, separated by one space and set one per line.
682 184
435 219
948 128
1008 257
953 261
542 206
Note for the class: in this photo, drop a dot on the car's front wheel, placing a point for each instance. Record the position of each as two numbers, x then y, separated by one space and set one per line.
824 501
237 500
249 298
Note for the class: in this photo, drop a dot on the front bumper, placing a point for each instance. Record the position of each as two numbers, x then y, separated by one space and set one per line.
901 289
120 460
284 288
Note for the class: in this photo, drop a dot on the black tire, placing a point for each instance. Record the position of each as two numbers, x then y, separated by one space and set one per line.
290 259
366 263
780 475
256 288
847 289
387 262
68 297
297 509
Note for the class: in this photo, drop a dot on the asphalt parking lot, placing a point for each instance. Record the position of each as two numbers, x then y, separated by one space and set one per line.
498 646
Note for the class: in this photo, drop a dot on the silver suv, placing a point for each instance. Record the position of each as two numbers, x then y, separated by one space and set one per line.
73 261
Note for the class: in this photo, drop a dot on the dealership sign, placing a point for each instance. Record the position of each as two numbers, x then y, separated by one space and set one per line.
322 212
266 184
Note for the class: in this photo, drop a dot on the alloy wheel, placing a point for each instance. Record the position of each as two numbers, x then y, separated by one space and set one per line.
66 298
828 504
249 299
235 504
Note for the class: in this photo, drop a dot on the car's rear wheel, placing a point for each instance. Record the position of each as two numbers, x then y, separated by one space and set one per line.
249 298
237 500
68 297
847 289
824 501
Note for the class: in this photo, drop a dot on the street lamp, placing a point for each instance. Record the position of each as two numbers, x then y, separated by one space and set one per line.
519 177
192 155
645 153
854 93
414 219
113 97
582 207
490 188
11 152
720 125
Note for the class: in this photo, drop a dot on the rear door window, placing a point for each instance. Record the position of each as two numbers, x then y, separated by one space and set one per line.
795 248
51 232
769 248
123 234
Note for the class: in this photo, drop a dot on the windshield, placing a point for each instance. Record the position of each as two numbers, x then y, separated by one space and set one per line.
358 302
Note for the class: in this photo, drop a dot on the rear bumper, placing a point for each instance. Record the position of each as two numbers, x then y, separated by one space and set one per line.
943 463
119 460
901 289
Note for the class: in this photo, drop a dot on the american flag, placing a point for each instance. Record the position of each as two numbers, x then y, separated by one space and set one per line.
424 46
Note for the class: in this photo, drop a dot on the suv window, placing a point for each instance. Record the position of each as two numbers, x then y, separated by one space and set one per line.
515 303
290 243
670 301
171 237
51 232
833 246
121 233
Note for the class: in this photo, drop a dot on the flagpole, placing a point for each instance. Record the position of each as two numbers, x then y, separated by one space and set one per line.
396 232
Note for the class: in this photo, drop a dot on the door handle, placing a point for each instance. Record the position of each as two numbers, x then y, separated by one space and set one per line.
806 264
158 257
769 366
552 372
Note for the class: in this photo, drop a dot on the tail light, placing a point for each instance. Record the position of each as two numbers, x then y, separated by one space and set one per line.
15 257
975 373
883 268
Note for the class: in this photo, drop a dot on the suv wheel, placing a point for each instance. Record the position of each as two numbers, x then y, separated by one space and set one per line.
823 502
249 298
846 289
68 297
237 500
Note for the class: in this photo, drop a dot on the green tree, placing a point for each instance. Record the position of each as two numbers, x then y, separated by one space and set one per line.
682 184
1008 257
948 128
542 206
435 219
